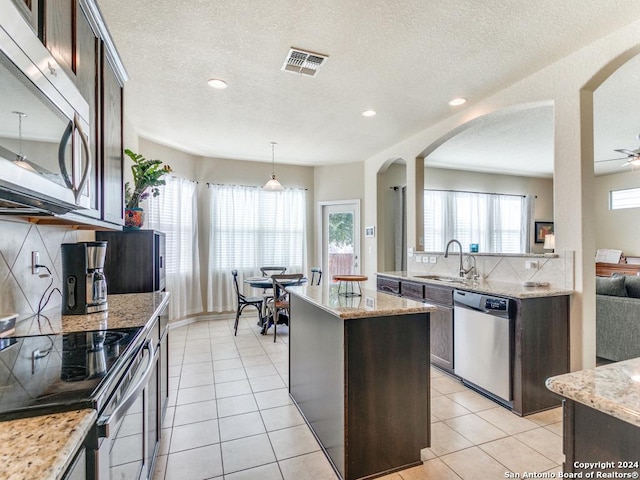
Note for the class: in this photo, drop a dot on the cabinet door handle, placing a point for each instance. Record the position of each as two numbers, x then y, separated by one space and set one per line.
69 180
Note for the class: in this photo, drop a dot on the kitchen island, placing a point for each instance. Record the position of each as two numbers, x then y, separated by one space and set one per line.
359 374
601 420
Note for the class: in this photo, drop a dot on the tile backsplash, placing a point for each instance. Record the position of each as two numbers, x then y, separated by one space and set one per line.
555 269
20 290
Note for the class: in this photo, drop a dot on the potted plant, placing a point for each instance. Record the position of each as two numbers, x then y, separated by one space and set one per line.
147 177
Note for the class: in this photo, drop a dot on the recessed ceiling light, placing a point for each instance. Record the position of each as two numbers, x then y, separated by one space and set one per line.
217 84
368 113
457 101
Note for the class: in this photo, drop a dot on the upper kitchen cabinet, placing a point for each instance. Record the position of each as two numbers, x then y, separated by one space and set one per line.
56 23
111 152
86 78
81 68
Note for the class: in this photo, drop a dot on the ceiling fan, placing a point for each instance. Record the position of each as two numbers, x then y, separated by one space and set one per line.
632 156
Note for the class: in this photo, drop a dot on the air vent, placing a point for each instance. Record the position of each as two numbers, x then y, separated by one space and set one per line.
303 63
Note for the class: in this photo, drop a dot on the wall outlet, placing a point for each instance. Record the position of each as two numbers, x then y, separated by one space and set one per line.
418 259
433 259
35 260
531 264
410 252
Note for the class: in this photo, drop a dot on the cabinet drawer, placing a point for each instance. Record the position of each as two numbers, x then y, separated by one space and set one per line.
441 295
414 291
388 285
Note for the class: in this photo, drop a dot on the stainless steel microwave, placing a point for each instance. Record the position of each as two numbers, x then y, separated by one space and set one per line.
45 156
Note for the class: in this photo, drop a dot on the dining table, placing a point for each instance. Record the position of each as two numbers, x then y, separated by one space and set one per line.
265 283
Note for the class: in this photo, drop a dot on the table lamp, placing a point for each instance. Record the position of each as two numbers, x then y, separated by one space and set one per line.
549 242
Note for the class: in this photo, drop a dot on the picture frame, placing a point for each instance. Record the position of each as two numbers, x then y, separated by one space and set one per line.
541 229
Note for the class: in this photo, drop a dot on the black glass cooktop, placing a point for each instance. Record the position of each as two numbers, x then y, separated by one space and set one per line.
48 373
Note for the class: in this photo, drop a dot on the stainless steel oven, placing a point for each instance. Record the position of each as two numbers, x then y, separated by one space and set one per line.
127 430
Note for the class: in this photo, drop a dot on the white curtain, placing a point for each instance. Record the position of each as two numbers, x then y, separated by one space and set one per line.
252 228
175 212
497 223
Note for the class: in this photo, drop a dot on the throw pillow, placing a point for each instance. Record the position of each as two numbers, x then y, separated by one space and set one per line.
632 284
612 286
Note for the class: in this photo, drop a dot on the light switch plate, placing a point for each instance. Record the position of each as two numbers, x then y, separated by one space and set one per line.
418 259
433 259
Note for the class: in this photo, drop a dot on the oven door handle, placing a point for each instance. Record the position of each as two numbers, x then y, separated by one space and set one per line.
131 395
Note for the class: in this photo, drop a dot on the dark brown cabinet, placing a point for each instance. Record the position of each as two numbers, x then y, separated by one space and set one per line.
86 70
112 199
592 436
412 290
75 34
540 351
135 261
441 326
57 31
388 285
539 346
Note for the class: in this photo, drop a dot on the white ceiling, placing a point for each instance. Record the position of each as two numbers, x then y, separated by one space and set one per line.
404 59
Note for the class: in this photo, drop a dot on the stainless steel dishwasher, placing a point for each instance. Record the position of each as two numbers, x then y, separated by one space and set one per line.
482 343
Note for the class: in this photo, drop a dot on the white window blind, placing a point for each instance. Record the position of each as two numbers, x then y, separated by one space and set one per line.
497 223
626 198
251 228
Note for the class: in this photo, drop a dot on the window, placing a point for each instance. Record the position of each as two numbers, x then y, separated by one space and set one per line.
498 223
627 198
251 228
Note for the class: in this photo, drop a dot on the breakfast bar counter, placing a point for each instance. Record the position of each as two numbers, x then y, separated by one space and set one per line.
601 419
359 374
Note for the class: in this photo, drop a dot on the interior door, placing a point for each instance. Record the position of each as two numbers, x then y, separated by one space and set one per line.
341 239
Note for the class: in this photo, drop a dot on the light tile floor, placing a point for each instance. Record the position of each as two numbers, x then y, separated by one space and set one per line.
230 417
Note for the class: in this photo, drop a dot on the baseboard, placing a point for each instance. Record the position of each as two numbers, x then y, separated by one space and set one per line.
202 318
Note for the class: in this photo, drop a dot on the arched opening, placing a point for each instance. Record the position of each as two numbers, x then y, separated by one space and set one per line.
392 215
509 153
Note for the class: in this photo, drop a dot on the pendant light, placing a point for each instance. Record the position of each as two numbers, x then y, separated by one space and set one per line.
21 159
273 185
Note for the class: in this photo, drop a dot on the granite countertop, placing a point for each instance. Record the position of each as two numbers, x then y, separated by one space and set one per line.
42 447
505 289
370 304
613 389
125 311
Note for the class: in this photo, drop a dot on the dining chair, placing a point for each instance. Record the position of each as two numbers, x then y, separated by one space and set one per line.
316 276
267 293
268 271
280 301
244 302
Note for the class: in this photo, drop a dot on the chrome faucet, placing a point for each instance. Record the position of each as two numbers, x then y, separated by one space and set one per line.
473 270
461 270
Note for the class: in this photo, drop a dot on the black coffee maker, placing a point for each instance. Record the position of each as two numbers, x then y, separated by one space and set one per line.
84 286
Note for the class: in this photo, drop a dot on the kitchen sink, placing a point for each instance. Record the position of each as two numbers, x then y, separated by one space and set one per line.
444 278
